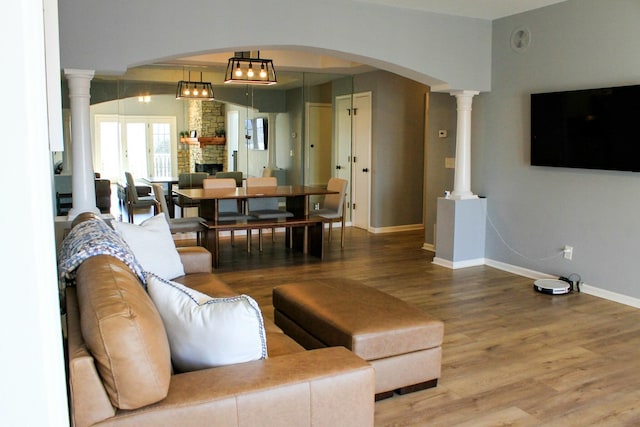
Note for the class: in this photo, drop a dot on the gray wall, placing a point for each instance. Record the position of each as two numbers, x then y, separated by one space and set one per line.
397 147
537 210
442 115
430 48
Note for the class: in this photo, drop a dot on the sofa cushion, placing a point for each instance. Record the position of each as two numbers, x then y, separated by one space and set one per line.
124 332
153 246
206 332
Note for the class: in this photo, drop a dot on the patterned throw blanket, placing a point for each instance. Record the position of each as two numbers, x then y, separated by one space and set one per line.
94 237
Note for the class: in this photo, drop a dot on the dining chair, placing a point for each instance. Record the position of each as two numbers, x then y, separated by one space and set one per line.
191 224
135 201
189 180
264 207
332 206
237 175
228 209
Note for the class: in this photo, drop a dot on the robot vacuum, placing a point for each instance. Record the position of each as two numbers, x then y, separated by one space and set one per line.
552 286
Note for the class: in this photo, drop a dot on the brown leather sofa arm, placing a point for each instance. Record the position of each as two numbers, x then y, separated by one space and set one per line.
195 259
89 400
325 387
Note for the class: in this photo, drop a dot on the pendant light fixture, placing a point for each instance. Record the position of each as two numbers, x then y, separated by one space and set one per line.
243 69
194 90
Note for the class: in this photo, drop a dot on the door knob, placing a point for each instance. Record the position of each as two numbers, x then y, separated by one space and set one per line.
365 170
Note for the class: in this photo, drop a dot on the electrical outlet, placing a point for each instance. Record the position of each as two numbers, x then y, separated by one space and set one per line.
568 252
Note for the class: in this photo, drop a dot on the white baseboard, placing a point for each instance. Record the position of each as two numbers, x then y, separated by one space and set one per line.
584 288
458 264
429 247
520 271
611 296
396 228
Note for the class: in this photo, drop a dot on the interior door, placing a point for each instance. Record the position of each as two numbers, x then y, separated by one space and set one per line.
342 156
318 143
361 160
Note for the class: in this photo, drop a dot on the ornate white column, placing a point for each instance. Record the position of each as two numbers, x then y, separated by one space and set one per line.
462 174
82 182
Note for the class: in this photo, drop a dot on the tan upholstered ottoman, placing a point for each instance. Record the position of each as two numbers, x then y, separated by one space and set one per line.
402 343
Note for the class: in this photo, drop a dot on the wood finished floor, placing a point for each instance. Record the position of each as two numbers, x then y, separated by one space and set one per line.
511 356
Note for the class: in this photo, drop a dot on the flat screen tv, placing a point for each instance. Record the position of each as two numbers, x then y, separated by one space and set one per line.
589 129
257 133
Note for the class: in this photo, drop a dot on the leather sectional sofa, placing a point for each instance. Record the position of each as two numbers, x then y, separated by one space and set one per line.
136 385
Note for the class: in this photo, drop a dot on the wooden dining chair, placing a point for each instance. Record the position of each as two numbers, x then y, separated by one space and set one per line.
189 180
237 175
332 207
264 207
229 209
191 224
135 201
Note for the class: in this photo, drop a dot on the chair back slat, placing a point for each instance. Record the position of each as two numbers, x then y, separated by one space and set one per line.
132 194
158 193
224 206
335 202
191 180
237 175
262 203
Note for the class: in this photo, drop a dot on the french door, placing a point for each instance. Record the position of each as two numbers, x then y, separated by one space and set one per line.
144 146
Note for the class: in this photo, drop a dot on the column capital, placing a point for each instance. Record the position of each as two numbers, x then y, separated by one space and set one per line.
464 98
79 82
75 72
469 93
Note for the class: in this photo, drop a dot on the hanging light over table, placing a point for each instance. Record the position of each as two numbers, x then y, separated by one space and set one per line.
243 69
194 90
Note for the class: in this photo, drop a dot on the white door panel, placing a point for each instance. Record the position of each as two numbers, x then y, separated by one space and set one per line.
361 161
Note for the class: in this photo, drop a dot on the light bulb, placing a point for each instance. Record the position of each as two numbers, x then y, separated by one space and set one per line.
263 72
187 91
250 70
238 70
204 92
195 92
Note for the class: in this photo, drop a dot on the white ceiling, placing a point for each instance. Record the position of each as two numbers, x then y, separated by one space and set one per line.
484 9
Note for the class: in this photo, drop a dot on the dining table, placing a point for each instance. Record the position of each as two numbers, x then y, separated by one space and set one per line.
297 202
167 182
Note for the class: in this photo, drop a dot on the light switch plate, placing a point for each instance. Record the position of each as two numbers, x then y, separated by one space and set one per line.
450 162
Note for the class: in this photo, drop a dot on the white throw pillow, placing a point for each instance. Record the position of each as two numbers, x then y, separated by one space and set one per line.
152 244
206 332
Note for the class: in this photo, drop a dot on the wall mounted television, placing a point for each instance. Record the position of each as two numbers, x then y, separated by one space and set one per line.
588 129
257 133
